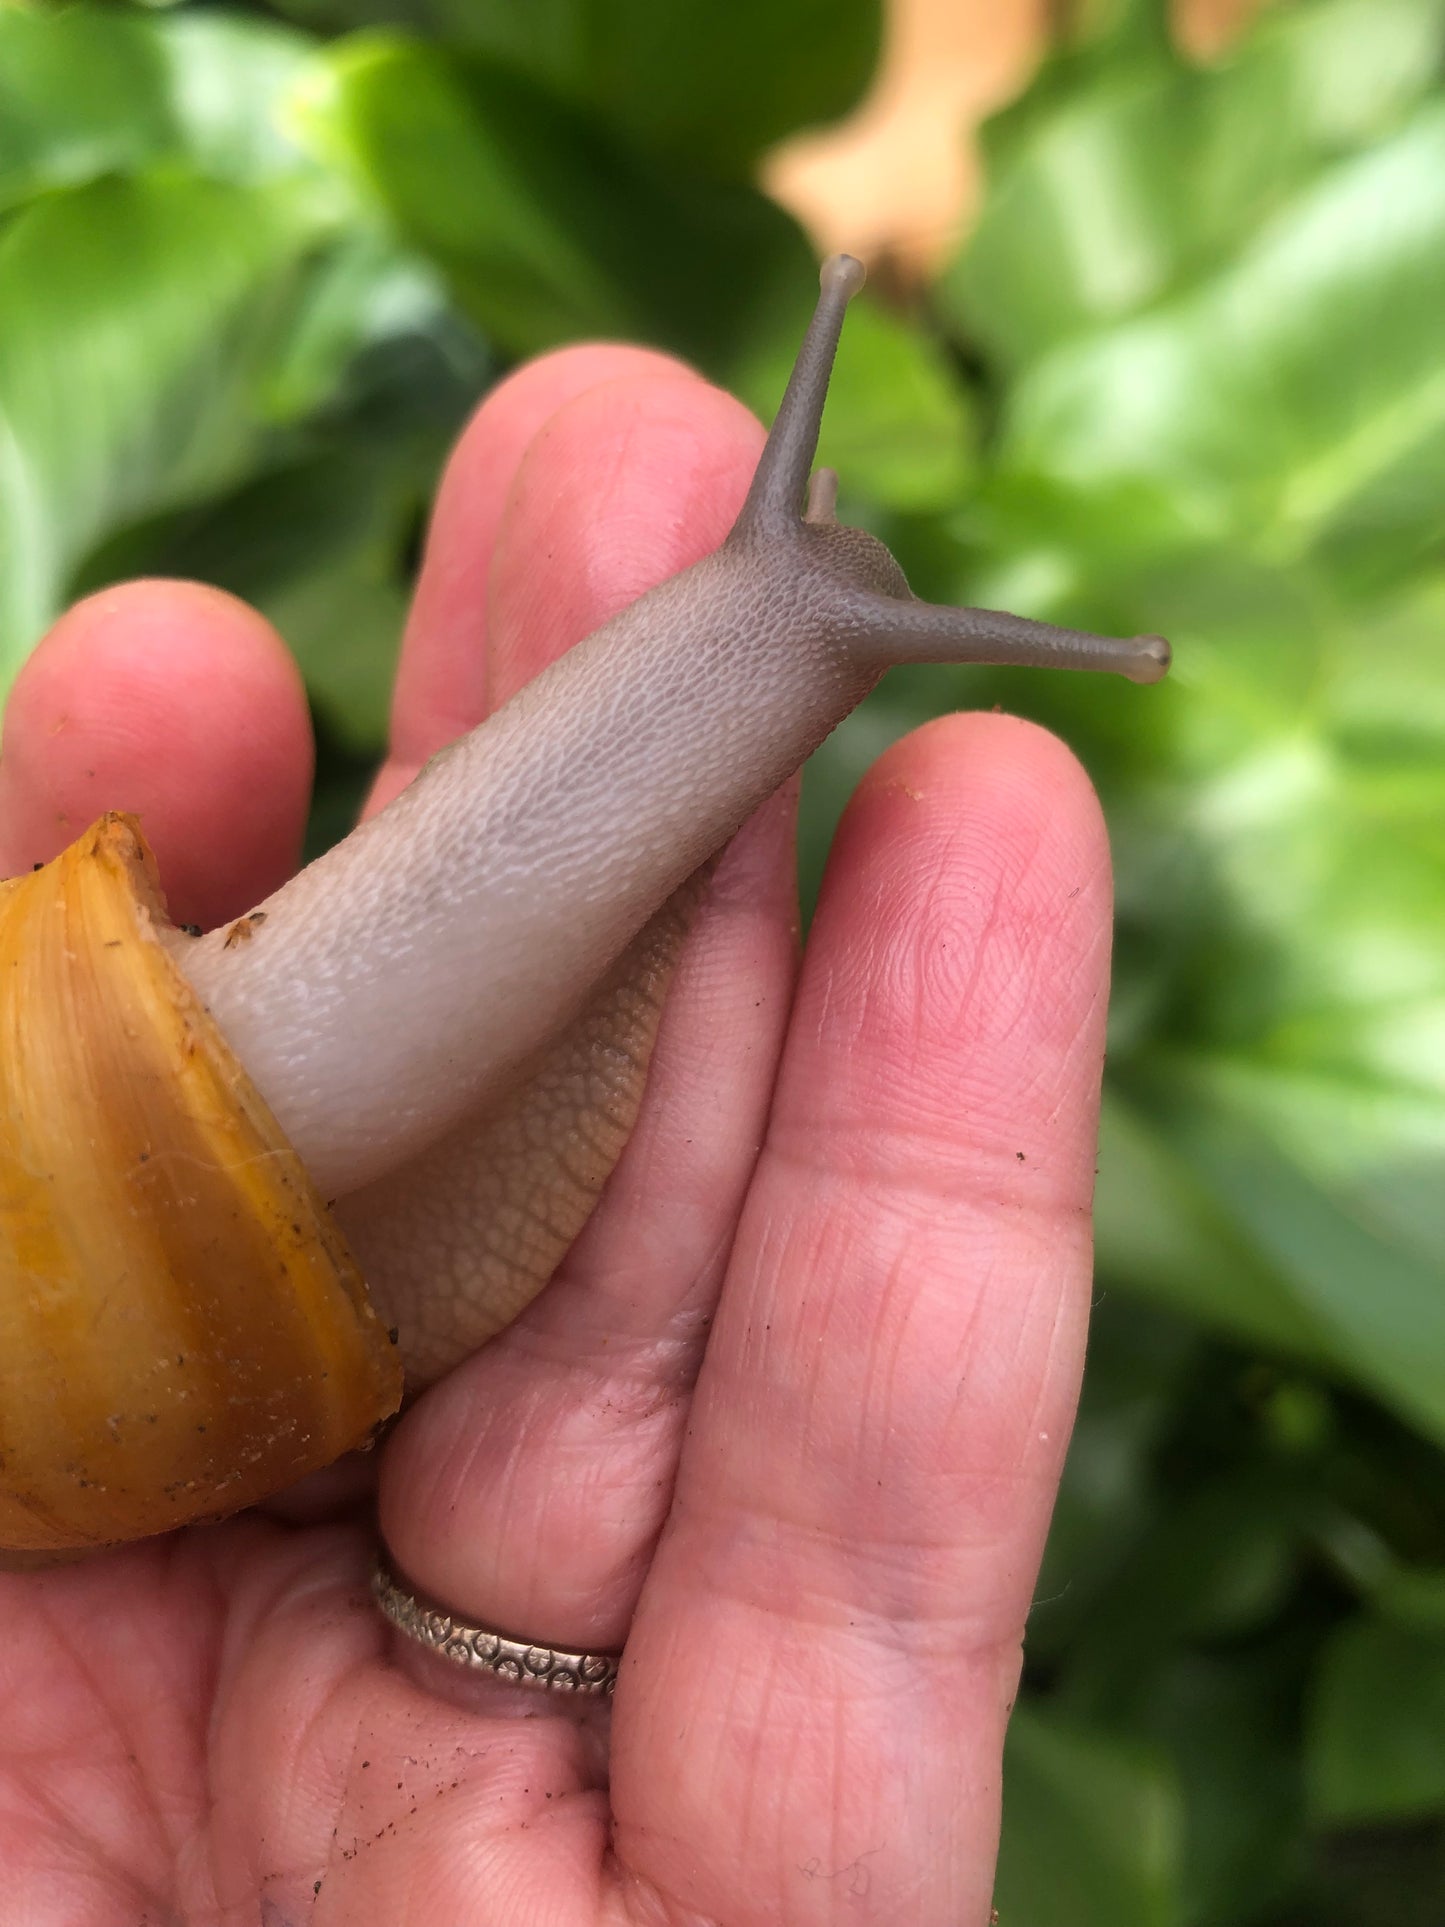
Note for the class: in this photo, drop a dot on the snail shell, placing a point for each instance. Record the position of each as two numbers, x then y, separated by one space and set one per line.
182 1328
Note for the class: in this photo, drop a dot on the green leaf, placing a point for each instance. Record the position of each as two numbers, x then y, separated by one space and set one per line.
1215 1561
1272 1150
1414 1597
81 93
1162 1232
93 91
1091 1829
322 544
710 86
1140 1366
233 83
1124 175
1375 1299
1232 401
1081 224
363 301
138 324
549 227
1375 1746
1229 1721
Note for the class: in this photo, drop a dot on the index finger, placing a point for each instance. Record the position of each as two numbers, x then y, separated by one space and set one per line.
448 678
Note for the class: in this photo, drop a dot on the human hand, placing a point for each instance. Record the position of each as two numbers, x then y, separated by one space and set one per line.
788 1421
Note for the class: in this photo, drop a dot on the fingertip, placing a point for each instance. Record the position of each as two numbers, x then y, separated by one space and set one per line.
631 481
1021 778
442 686
180 703
961 945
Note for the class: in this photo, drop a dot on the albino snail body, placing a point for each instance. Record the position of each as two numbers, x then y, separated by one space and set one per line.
473 978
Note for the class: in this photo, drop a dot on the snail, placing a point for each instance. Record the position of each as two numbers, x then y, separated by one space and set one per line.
430 1045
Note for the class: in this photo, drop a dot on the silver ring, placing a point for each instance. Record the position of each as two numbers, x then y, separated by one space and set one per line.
483 1649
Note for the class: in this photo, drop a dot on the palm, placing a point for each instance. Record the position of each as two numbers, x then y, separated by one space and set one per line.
789 1419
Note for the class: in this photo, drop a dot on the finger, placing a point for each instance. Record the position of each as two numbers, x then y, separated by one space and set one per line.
182 705
834 1615
527 1489
445 682
645 474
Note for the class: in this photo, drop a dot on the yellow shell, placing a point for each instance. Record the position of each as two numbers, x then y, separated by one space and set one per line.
182 1329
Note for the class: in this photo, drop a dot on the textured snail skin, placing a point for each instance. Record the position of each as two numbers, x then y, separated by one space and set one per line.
477 950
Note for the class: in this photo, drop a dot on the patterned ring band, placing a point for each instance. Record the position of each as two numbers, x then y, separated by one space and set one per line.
588 1675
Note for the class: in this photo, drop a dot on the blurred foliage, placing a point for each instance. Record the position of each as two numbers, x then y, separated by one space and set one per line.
1186 375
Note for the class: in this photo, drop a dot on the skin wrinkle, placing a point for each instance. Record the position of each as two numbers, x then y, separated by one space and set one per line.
875 1563
663 1910
838 1750
765 1700
188 1824
308 1585
632 1498
998 993
513 1502
1044 1421
746 1736
621 1471
998 1369
798 1853
498 1772
906 1190
61 1876
908 1633
319 1714
968 850
774 1367
76 1816
950 973
879 1401
894 1238
656 1171
592 1313
1001 1360
1057 1391
930 1249
600 1423
880 1384
249 1608
1019 1094
1081 1071
77 1845
653 1367
105 1690
1056 1066
868 1569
